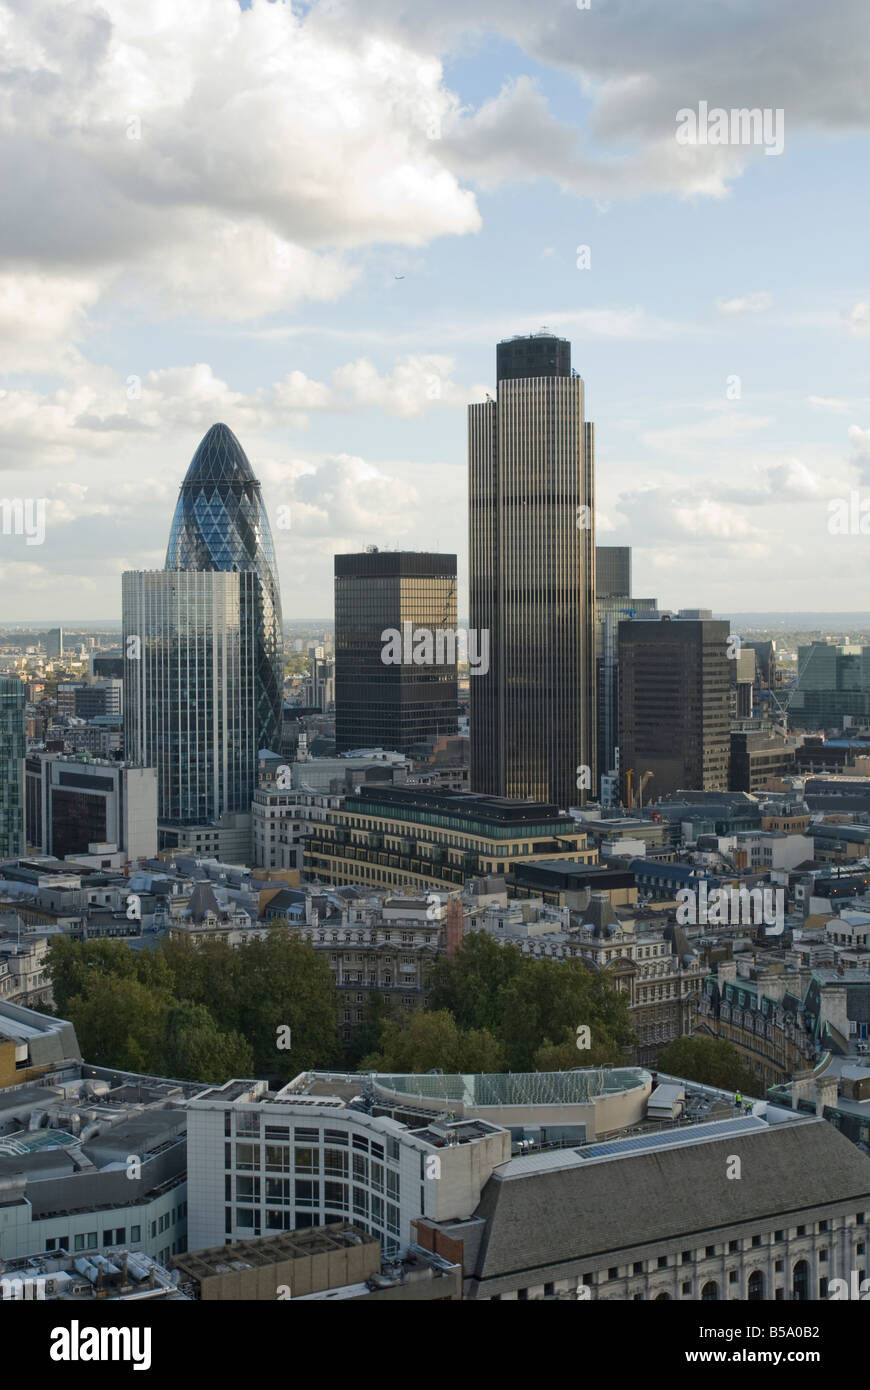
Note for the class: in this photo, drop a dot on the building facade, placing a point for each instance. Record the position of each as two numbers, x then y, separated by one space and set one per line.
675 680
532 578
394 836
190 695
13 746
381 701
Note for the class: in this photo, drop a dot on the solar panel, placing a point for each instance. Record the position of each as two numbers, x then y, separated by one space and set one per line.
689 1134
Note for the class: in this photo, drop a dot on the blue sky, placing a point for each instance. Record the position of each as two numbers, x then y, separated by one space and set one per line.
237 259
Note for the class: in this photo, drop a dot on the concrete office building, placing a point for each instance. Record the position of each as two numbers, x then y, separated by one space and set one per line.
13 746
261 1162
532 578
380 701
73 803
675 681
68 1183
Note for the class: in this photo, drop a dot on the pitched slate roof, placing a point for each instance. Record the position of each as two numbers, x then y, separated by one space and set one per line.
593 1209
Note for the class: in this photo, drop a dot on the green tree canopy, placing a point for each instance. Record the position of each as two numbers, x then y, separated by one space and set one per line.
712 1061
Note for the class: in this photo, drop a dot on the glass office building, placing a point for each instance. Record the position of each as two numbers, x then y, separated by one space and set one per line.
191 691
532 578
13 745
220 523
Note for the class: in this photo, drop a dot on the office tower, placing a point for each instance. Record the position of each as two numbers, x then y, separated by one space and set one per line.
392 693
53 643
613 605
73 804
13 746
833 685
532 578
220 523
190 698
675 680
612 570
80 700
106 665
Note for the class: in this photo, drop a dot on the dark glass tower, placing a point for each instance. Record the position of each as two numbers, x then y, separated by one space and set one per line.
532 578
13 745
220 523
386 705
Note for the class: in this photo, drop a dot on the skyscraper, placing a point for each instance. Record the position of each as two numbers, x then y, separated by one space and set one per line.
394 704
532 577
675 681
204 653
613 605
220 523
13 746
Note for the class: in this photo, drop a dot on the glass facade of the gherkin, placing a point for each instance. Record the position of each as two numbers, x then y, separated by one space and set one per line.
220 523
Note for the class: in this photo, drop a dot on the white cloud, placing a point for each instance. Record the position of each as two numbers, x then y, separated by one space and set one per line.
859 318
827 403
748 304
181 218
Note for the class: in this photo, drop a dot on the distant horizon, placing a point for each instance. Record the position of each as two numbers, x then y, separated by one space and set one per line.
760 615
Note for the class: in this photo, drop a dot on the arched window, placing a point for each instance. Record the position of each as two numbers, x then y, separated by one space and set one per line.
756 1286
801 1281
660 1297
710 1292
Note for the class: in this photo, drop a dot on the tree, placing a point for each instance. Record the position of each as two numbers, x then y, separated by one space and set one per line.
369 1036
74 964
120 1023
424 1040
472 985
194 1049
549 999
287 1004
712 1061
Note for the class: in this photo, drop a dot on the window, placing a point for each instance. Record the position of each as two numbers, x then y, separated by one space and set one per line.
245 1156
277 1158
50 1244
801 1230
549 1290
307 1193
335 1163
687 1257
135 1234
756 1241
777 1235
613 1273
732 1276
522 1295
710 1251
733 1247
307 1160
92 1240
637 1267
663 1262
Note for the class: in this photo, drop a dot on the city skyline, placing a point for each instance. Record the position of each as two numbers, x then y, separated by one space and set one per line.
337 339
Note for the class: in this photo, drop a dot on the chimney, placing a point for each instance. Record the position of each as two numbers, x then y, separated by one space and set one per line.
454 919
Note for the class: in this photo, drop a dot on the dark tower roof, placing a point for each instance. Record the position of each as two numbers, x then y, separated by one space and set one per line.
220 458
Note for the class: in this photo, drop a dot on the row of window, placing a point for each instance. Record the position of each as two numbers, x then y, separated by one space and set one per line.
88 1240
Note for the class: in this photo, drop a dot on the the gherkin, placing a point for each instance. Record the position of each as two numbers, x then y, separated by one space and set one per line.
220 523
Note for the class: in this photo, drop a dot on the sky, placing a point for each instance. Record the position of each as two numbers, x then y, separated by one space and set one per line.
314 222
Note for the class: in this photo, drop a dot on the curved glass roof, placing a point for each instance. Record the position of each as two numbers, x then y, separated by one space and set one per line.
519 1088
